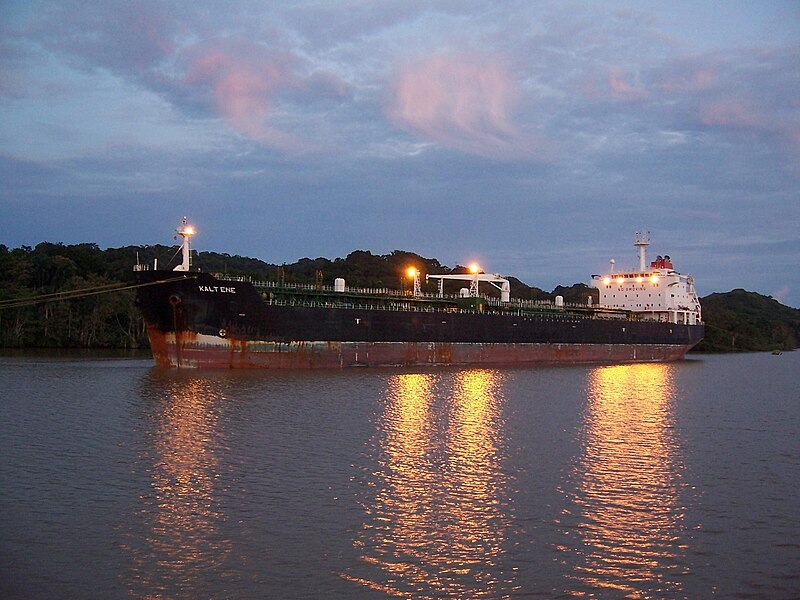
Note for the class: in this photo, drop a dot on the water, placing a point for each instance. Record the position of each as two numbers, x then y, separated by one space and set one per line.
679 480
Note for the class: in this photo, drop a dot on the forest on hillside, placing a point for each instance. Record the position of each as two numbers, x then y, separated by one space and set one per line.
746 321
81 296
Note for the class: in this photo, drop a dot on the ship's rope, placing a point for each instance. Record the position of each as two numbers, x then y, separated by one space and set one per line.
76 294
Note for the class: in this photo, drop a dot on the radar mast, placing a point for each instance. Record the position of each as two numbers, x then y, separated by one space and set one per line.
642 242
186 231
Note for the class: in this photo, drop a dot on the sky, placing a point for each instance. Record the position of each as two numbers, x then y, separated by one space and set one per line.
535 138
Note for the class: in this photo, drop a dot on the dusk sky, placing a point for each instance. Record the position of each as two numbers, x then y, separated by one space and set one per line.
533 137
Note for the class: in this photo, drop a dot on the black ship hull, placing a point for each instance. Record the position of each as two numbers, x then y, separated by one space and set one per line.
198 321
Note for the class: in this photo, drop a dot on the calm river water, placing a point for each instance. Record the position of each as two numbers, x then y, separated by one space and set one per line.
118 480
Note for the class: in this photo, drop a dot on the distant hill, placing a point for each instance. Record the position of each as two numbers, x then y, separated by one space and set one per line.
736 320
746 321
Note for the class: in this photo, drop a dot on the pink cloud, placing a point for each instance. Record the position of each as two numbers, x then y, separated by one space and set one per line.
459 102
699 79
242 83
735 116
730 112
154 31
622 89
612 84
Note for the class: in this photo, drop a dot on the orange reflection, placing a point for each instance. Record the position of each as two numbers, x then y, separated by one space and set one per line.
630 519
437 524
183 513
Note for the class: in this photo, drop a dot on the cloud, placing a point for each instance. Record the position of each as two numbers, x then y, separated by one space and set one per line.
204 62
14 83
461 102
241 81
622 89
730 112
128 37
687 77
612 84
742 88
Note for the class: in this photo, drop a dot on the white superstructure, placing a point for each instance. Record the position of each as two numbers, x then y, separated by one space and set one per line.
657 292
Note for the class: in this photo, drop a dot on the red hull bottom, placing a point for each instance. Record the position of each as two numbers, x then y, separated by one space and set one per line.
209 352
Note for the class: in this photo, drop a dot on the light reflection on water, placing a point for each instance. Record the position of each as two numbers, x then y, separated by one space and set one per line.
625 522
437 524
181 514
658 481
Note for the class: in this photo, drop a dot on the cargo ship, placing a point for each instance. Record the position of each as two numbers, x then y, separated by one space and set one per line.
201 320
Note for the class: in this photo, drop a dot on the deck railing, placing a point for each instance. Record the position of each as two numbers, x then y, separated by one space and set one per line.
405 301
395 294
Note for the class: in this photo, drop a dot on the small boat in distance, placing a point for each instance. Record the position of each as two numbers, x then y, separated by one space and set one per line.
198 320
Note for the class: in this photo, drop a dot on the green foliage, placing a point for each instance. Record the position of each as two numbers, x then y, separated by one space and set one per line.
746 321
214 262
99 321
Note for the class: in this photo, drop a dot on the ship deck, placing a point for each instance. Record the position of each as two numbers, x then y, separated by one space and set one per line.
322 296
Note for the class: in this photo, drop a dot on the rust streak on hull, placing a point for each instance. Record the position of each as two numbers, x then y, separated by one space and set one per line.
193 351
